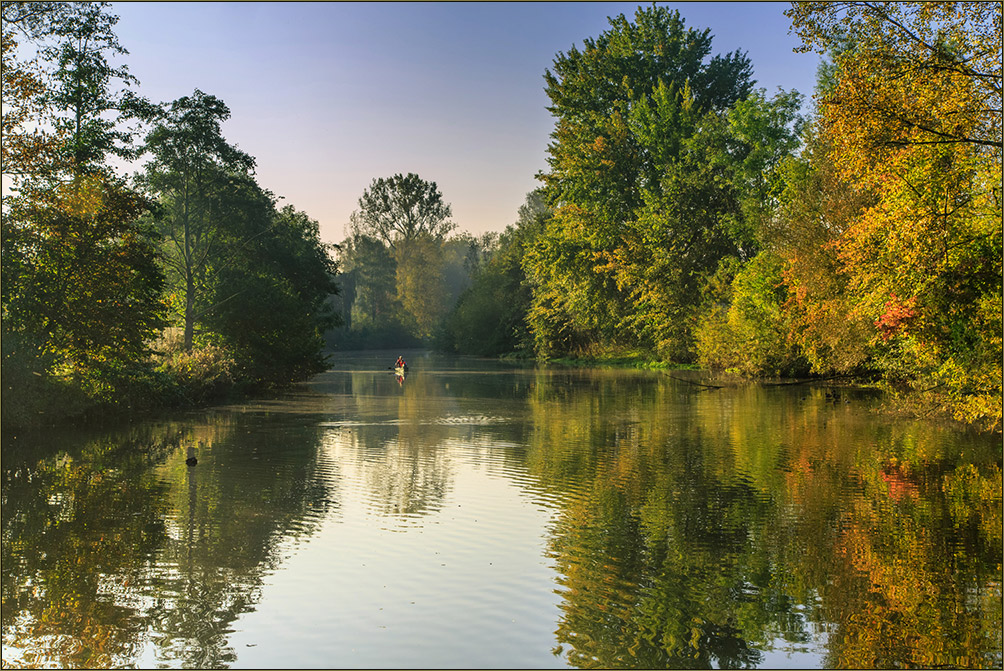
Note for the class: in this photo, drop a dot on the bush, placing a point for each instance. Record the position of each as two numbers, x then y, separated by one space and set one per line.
203 374
744 328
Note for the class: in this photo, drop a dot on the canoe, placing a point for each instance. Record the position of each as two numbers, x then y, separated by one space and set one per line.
401 370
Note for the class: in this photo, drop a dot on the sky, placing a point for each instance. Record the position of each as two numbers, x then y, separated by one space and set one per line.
328 96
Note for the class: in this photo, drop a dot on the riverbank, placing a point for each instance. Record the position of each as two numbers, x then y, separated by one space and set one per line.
897 400
170 379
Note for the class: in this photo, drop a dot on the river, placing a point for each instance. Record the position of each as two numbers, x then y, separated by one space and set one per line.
477 514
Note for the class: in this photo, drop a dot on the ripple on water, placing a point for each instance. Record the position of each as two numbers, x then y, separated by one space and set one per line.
616 521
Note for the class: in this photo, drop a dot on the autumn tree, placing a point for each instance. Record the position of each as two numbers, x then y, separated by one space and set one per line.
30 144
913 117
911 73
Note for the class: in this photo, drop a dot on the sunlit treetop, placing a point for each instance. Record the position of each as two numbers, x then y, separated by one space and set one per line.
893 54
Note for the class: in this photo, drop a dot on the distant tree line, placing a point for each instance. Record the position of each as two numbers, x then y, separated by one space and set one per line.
176 285
401 269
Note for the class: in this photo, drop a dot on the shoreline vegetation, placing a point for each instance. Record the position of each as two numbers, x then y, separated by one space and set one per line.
685 216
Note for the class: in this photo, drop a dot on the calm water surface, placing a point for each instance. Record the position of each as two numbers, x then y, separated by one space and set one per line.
480 515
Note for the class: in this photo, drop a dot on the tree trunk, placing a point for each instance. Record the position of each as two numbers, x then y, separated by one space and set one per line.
189 312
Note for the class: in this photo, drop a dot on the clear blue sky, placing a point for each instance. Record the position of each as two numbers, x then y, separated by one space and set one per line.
327 96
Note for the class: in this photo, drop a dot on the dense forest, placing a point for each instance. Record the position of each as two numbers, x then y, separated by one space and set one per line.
685 217
178 284
689 217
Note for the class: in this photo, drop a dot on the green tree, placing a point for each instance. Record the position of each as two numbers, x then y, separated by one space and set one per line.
653 180
421 283
400 209
81 279
270 294
408 215
746 328
83 94
490 317
669 170
192 166
373 272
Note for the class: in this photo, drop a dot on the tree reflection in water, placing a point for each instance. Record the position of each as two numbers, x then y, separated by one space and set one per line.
687 528
707 535
114 546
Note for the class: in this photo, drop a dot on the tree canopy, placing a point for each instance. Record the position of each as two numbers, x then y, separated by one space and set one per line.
402 208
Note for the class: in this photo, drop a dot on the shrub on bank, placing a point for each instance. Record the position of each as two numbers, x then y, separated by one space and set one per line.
202 374
745 331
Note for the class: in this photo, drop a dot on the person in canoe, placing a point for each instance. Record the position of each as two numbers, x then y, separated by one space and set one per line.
400 364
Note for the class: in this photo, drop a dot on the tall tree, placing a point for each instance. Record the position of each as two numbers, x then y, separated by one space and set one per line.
421 283
652 179
190 171
373 273
80 286
490 317
86 100
913 118
400 209
81 280
92 109
268 295
409 216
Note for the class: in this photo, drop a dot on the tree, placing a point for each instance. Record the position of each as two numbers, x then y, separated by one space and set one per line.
374 275
421 284
269 293
400 209
408 215
81 289
914 73
29 147
191 168
490 317
913 118
817 208
81 92
746 328
654 177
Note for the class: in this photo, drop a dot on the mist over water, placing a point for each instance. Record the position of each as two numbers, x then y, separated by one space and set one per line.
477 514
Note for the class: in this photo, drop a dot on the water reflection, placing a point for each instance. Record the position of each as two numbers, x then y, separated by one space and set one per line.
115 550
750 521
654 525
